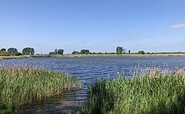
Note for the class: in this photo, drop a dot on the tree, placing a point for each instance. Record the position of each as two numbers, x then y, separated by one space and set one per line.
28 51
119 50
3 49
12 51
51 53
18 54
60 51
3 52
128 51
56 51
141 52
84 51
75 52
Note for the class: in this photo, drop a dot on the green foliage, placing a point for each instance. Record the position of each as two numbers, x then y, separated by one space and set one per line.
120 50
4 53
12 51
75 52
3 49
60 51
153 93
19 86
18 54
28 51
84 51
51 53
141 52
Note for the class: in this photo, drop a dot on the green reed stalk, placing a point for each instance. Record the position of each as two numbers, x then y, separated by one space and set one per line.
19 86
154 92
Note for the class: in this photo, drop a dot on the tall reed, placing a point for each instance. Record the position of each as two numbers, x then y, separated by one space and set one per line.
19 86
1 58
152 92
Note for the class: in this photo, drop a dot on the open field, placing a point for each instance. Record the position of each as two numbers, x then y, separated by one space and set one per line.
153 92
20 86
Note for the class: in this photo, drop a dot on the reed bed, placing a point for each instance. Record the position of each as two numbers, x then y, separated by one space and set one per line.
20 86
1 58
151 92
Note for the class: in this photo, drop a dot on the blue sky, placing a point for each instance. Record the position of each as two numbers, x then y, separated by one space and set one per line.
97 25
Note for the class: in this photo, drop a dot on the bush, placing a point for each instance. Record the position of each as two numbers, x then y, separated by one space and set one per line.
4 53
18 54
141 52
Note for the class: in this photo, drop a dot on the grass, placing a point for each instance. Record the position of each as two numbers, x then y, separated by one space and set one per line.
20 86
1 58
152 92
108 55
14 57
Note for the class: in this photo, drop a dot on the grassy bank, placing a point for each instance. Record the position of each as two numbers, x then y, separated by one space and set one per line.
153 92
20 86
15 57
1 58
107 55
89 55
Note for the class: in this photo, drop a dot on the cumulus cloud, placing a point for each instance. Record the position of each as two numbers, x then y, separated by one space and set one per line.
181 25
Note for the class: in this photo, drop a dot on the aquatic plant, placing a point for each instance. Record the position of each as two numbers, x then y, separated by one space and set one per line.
154 91
20 86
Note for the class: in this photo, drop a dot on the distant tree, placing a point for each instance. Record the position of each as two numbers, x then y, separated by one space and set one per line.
128 51
75 52
119 50
51 53
3 52
84 51
56 51
12 51
60 51
3 49
28 51
141 52
18 54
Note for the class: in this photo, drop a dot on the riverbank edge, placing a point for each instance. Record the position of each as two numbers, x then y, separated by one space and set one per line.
88 55
106 55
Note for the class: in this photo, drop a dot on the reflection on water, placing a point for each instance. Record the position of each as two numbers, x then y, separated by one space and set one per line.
88 70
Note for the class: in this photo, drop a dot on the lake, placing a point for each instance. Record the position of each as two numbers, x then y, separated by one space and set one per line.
88 70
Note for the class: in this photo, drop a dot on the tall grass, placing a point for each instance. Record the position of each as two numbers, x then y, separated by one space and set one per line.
1 58
152 92
20 86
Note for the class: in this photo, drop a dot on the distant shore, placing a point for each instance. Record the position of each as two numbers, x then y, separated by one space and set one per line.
88 55
14 57
107 55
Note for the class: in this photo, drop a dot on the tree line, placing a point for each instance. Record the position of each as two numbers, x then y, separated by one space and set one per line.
31 51
14 51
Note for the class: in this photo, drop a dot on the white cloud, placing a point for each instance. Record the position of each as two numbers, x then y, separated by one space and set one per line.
180 25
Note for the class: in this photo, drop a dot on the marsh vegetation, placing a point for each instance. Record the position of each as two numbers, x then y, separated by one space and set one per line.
152 92
24 85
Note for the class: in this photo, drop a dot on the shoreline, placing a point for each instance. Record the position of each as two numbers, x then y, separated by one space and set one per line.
88 55
107 55
14 57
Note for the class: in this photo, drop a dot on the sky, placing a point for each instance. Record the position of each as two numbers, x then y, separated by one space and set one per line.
97 25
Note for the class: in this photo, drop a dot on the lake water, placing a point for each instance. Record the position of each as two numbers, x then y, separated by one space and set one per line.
88 70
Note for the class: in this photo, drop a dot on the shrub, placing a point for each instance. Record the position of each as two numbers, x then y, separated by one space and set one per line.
18 54
141 52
